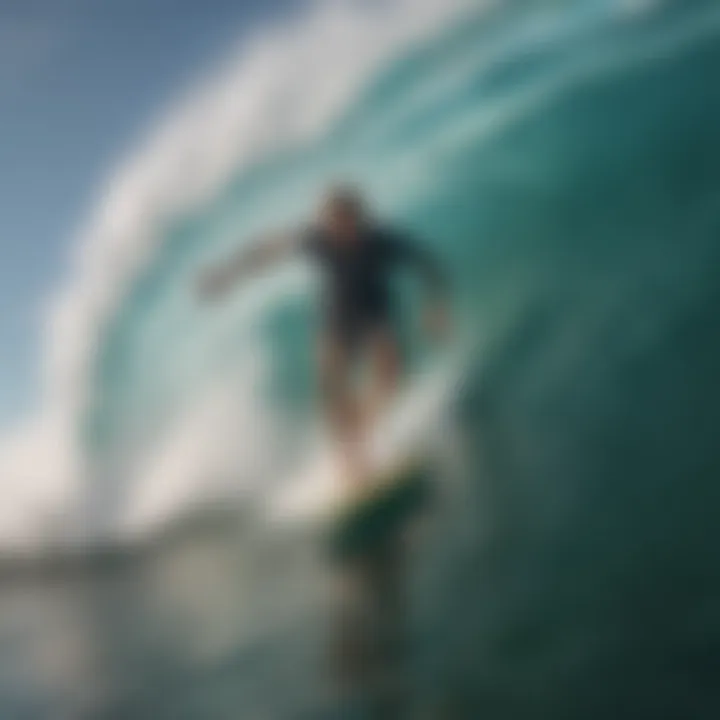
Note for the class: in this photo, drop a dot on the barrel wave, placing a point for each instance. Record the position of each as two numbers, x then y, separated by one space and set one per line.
563 159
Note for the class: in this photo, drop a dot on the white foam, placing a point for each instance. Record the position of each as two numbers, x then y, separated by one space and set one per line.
410 429
282 89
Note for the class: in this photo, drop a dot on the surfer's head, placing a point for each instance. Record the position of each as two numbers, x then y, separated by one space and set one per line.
342 212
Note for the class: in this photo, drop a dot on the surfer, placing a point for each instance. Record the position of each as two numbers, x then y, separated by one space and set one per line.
358 257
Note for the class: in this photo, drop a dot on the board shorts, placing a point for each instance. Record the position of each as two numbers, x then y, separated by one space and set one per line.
350 331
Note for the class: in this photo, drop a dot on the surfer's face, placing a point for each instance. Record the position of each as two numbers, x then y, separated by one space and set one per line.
341 221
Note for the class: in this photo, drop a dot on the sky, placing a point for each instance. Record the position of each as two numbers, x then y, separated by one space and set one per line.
80 82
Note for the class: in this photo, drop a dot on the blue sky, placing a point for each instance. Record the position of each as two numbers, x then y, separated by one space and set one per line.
80 81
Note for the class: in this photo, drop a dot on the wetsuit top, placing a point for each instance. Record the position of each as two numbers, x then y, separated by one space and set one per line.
358 275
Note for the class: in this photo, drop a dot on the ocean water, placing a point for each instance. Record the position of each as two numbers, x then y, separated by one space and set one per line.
562 157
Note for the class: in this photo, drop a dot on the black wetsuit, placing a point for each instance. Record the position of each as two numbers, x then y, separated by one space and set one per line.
358 298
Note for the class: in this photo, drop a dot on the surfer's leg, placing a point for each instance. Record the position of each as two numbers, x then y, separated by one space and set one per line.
334 372
341 406
385 369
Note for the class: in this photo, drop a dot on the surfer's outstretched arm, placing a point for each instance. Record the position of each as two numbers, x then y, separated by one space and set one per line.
251 260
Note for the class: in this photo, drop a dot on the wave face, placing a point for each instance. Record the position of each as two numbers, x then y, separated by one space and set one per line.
512 140
546 152
564 159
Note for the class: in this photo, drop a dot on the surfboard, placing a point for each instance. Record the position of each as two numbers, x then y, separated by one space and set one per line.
379 510
401 444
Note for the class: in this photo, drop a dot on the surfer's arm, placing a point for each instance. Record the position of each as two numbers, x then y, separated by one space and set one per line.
425 263
434 277
251 260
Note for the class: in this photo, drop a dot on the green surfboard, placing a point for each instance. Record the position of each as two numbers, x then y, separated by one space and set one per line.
368 522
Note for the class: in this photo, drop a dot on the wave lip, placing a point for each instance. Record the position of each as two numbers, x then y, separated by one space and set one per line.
282 89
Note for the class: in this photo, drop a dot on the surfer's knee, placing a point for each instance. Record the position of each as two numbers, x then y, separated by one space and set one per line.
386 360
333 379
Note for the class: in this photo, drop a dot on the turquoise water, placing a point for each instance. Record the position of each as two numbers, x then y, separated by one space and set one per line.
563 158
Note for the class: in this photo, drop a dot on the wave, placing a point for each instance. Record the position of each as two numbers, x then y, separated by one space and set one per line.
278 91
152 403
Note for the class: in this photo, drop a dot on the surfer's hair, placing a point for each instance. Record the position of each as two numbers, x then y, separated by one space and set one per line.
346 199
